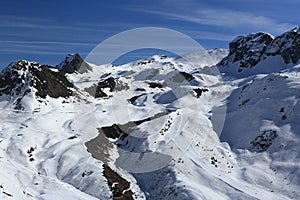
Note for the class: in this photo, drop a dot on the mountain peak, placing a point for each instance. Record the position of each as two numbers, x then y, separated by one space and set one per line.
73 63
23 77
296 30
258 37
249 51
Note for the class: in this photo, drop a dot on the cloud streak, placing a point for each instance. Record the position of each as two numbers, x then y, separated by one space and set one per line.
44 47
7 21
208 35
221 18
47 42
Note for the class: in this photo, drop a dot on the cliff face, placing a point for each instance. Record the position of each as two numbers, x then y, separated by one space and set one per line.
250 51
73 63
23 78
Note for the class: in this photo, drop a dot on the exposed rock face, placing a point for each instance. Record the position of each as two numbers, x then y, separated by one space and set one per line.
20 77
50 83
23 77
119 186
73 63
287 45
264 141
112 83
14 79
248 51
199 91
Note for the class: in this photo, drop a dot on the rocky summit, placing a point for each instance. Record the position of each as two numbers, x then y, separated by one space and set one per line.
257 49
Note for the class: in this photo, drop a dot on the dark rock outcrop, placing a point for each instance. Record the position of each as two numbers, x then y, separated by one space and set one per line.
22 77
199 91
264 141
112 83
53 84
248 51
119 186
287 45
73 63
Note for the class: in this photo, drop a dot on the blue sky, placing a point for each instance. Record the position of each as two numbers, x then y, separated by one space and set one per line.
46 31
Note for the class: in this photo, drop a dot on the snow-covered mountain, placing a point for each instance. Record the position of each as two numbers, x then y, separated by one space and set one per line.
159 128
23 82
208 58
262 52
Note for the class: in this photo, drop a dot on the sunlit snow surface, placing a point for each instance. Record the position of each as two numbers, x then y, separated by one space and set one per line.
179 154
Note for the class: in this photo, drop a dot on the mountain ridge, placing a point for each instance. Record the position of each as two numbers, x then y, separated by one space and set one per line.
248 52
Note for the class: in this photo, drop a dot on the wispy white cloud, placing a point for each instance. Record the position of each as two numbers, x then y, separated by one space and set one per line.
47 42
208 35
33 52
44 47
9 21
20 18
17 35
70 27
221 18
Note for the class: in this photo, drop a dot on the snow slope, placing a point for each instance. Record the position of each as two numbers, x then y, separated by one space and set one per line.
159 128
